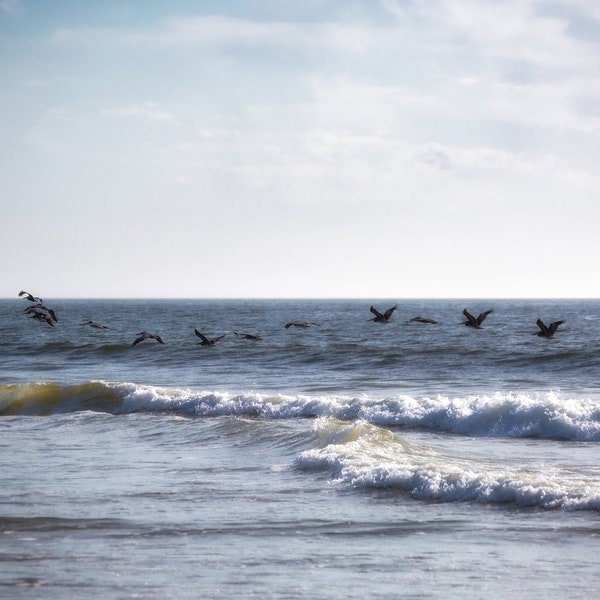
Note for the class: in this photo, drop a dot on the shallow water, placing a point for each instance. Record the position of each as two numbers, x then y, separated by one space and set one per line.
351 459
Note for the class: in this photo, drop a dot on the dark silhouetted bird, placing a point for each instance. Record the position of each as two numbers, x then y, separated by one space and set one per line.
144 335
207 341
547 331
382 318
475 322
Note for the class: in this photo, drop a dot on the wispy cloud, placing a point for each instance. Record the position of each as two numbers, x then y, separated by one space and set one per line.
11 7
148 110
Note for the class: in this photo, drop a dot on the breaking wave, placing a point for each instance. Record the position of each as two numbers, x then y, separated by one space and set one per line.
366 456
518 415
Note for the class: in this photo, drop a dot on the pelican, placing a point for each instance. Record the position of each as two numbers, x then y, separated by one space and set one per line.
206 341
547 331
144 335
475 322
422 320
40 308
382 318
39 315
299 324
29 297
248 336
95 325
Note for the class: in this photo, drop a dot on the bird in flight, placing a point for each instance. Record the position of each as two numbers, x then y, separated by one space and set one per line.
95 325
300 324
30 297
547 331
207 341
475 322
144 335
382 318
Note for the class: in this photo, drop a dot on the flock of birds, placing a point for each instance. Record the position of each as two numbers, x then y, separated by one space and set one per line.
40 312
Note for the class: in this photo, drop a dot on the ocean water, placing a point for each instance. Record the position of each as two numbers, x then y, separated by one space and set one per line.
348 459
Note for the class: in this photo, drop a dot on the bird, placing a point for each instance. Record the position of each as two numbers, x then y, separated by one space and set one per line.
422 320
94 325
300 324
547 331
475 322
30 297
382 318
144 335
248 336
207 341
39 315
40 308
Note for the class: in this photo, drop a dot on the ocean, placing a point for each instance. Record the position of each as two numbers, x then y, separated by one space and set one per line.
345 459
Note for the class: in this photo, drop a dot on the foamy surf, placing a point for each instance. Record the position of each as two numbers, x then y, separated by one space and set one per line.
366 456
516 415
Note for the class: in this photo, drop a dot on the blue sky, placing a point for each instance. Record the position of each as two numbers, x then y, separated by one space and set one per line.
300 149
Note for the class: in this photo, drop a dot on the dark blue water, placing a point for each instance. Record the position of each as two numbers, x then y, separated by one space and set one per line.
346 353
346 459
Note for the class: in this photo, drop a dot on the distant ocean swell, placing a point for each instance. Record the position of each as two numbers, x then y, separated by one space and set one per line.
366 456
516 415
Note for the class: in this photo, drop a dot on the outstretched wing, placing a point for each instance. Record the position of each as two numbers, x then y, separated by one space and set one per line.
482 316
471 319
376 313
141 337
545 331
202 336
388 313
554 325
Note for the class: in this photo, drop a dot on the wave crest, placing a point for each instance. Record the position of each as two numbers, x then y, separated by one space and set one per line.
366 456
545 415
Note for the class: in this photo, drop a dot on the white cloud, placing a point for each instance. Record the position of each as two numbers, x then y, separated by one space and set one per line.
147 110
11 7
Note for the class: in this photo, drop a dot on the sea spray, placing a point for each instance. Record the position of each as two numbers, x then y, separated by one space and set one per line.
366 456
520 415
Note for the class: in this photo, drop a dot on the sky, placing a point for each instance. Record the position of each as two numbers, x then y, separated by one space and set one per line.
316 148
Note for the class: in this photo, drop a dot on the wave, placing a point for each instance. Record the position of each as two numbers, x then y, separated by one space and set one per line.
366 456
517 415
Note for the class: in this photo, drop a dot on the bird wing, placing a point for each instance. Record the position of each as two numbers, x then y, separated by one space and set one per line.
482 316
388 312
201 336
554 325
142 335
472 320
158 339
542 326
376 312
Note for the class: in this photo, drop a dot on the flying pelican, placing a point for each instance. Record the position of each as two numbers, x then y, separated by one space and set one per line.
475 322
248 336
40 308
382 318
547 331
39 315
299 324
144 335
422 320
29 297
95 325
206 341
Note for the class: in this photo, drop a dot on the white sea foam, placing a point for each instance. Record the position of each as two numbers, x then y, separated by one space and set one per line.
364 455
544 415
547 415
